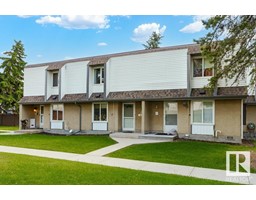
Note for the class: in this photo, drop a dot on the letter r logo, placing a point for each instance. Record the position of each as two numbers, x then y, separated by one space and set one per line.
238 163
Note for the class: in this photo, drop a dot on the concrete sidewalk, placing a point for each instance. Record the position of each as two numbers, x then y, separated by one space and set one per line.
95 158
7 132
122 143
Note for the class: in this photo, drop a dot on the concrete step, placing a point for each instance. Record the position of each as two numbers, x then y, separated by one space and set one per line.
126 135
157 137
30 131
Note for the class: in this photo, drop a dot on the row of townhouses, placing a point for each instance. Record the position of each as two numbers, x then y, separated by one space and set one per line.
146 91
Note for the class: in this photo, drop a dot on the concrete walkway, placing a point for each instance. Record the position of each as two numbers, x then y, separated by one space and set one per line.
95 157
7 132
122 143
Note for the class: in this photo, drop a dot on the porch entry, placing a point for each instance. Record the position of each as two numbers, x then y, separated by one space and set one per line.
57 116
170 116
41 125
128 117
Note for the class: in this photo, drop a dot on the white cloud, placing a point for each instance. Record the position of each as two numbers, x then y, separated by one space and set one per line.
196 25
142 33
39 56
102 44
127 16
76 21
25 16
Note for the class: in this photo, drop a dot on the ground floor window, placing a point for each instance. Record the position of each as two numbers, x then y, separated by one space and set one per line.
57 112
202 112
100 112
171 113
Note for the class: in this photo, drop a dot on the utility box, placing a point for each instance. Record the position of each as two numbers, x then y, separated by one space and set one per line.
32 123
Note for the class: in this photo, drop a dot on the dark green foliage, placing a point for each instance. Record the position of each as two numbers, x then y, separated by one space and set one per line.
11 80
154 41
231 47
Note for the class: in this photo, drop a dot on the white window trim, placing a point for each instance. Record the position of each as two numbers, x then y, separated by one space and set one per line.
41 125
101 83
100 111
213 113
62 113
165 113
134 117
57 79
203 67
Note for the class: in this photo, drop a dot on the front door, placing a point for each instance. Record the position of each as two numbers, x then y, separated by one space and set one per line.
41 116
170 116
128 117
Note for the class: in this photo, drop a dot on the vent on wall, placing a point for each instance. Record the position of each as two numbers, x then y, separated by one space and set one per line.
202 91
230 138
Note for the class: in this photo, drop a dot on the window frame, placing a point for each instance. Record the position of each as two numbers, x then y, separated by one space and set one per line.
100 120
102 75
53 79
55 120
203 67
213 112
164 113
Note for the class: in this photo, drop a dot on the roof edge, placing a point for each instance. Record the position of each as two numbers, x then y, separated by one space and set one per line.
125 53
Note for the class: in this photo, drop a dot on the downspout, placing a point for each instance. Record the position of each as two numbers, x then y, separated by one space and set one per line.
105 82
59 83
188 75
189 91
255 84
255 93
88 82
46 86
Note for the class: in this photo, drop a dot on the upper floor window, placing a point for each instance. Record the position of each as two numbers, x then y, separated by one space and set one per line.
201 68
55 79
99 75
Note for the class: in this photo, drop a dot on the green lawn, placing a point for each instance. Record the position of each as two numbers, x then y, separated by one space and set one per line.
190 153
73 144
9 128
28 170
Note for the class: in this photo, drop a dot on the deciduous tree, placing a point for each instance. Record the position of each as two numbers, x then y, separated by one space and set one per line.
230 45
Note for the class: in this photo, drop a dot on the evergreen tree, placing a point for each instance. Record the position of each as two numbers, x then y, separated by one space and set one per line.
11 82
154 41
230 45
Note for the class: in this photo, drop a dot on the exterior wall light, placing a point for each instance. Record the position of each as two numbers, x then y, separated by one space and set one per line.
35 110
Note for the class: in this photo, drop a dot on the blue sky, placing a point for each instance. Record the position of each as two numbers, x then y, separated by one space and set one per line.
59 37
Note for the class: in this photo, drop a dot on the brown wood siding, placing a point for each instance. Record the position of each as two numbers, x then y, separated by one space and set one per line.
183 118
228 117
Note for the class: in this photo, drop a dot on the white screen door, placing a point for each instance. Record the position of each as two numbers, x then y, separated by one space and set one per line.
41 116
128 117
170 116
